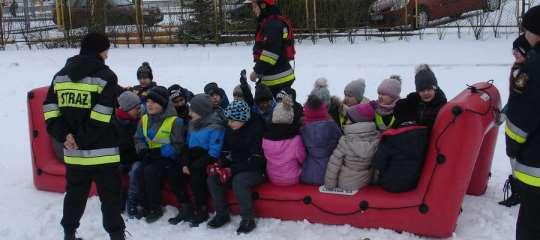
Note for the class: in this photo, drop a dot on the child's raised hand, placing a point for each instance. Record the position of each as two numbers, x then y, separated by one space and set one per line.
185 170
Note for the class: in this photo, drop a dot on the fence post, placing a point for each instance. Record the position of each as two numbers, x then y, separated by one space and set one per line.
315 16
139 21
26 16
307 15
2 45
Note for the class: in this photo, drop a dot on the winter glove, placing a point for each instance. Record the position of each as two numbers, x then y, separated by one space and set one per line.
168 151
223 174
513 148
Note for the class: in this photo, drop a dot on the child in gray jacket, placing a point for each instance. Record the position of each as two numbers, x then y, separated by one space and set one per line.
350 164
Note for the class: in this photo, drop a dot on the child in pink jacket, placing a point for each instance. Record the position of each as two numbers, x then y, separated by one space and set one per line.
282 143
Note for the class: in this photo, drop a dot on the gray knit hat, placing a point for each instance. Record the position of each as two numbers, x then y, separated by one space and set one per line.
201 105
320 90
356 89
128 100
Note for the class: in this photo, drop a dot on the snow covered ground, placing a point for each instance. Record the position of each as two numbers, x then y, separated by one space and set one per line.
26 213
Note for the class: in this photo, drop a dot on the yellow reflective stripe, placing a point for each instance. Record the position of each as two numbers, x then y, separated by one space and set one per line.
268 60
51 114
92 160
92 157
379 121
527 179
144 124
100 117
279 80
342 119
269 57
513 135
78 86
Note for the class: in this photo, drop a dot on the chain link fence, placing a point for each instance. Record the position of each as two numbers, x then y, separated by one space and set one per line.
61 23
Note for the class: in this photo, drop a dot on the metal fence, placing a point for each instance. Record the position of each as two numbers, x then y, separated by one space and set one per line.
61 23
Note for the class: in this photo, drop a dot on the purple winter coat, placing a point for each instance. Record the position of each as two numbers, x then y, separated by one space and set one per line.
320 139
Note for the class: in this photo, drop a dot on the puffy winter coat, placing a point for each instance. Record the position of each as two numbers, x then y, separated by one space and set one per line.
350 164
413 109
400 158
81 101
205 140
272 65
284 160
245 146
178 132
125 127
320 139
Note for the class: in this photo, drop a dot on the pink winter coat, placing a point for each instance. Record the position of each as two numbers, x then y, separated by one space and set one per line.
284 160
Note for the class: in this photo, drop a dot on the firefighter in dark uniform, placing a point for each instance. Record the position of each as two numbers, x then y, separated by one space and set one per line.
274 47
523 131
78 111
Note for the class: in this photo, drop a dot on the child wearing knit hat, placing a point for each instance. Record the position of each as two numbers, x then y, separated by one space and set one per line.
125 120
389 91
421 107
354 94
205 141
245 162
159 141
349 167
320 135
180 98
146 81
282 143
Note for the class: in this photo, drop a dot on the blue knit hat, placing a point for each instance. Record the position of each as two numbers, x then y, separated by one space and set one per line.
238 110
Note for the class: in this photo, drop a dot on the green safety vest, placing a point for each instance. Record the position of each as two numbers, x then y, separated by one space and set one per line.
163 135
379 121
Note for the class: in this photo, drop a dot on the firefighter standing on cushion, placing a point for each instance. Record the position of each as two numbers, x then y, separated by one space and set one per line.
274 47
523 131
77 111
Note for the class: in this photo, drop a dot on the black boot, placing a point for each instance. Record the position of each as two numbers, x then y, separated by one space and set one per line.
185 213
200 216
153 215
71 236
246 226
510 188
120 235
218 221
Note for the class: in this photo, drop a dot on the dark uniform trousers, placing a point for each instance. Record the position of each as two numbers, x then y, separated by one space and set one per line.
109 188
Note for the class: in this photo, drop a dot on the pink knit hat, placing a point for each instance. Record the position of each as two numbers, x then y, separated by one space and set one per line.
390 86
363 112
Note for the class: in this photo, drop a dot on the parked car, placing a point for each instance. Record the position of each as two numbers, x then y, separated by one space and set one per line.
418 13
117 12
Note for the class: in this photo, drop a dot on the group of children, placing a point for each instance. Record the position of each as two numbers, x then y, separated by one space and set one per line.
210 144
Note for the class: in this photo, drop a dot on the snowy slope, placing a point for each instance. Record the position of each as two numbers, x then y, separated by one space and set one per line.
26 213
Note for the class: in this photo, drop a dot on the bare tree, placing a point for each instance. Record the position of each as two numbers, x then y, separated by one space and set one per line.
97 16
2 43
441 32
497 20
478 24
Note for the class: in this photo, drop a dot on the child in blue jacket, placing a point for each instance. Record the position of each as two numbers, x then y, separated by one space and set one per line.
204 141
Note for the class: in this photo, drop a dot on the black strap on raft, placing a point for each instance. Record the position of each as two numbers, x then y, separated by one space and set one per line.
441 159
